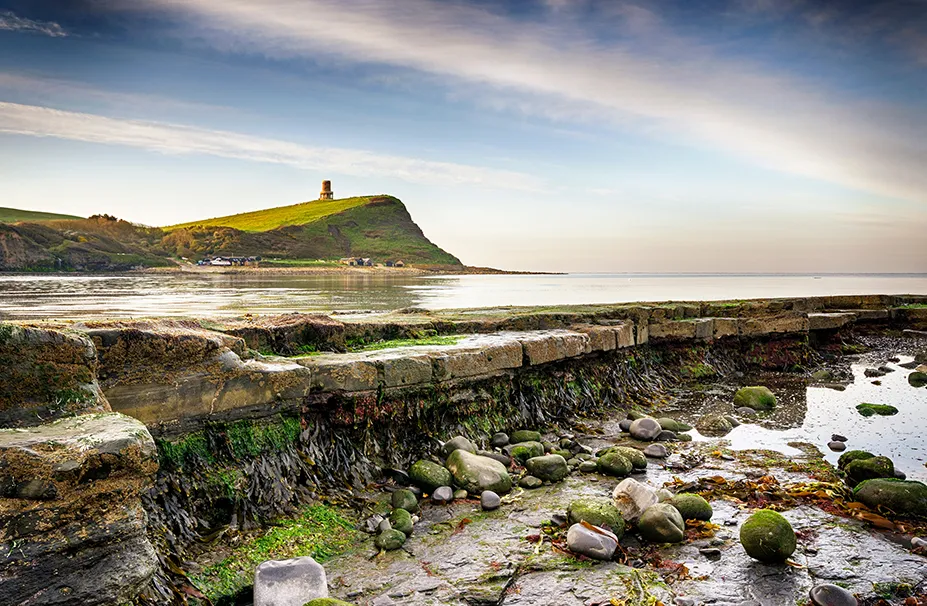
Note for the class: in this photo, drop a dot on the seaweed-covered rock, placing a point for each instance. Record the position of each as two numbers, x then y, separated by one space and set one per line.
692 506
917 379
598 512
404 499
635 456
673 425
713 425
757 398
661 523
524 435
458 443
475 474
522 451
614 464
550 468
390 540
904 497
401 520
869 469
852 455
767 537
867 410
428 475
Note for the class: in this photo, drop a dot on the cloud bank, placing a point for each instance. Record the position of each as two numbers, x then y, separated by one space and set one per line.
9 21
674 88
167 138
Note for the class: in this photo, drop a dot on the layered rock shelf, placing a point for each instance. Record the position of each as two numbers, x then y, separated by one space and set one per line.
293 403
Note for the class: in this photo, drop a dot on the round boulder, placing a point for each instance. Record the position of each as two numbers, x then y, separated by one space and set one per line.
852 455
673 425
656 451
767 537
692 506
390 540
598 512
661 523
645 429
757 398
869 469
904 497
592 542
443 495
429 475
837 446
522 451
475 474
456 443
498 440
404 499
614 464
550 468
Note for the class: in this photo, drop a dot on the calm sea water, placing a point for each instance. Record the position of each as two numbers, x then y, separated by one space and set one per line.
213 295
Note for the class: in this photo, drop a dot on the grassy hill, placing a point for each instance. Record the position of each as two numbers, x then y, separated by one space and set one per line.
282 216
14 215
379 227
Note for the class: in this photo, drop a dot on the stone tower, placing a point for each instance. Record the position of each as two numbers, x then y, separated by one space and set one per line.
326 193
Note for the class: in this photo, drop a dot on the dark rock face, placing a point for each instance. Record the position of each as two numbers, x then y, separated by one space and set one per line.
289 334
52 551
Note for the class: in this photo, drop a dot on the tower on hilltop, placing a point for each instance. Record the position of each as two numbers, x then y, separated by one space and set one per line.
326 193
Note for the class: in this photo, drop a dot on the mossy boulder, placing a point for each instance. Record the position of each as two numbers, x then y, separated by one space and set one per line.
904 497
917 379
662 523
768 537
551 468
404 499
598 512
475 474
388 540
692 506
635 456
522 451
852 455
614 464
327 602
869 469
524 435
673 425
757 398
428 475
713 425
401 520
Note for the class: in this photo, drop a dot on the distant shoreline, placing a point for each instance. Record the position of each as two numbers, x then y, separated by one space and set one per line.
343 270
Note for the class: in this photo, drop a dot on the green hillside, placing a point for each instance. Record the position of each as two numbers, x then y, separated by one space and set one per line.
14 215
273 218
378 227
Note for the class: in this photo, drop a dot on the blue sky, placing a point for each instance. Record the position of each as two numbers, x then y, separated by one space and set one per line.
569 135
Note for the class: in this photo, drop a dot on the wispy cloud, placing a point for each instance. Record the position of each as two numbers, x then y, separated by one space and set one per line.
9 21
687 92
181 139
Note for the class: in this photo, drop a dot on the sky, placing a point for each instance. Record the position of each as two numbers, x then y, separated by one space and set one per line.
546 135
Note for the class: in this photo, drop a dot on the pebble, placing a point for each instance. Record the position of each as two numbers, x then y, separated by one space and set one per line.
416 491
918 542
530 482
832 595
498 440
443 495
657 451
667 436
746 411
588 466
838 438
460 494
837 446
682 601
559 519
711 553
625 425
490 500
384 525
372 524
900 475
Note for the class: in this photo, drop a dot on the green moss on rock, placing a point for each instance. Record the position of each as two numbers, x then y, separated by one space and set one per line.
390 540
401 520
867 410
852 455
904 497
327 602
692 506
869 469
757 398
522 451
429 475
524 435
768 537
614 464
598 512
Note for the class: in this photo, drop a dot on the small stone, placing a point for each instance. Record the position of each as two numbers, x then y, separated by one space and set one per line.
498 456
458 443
712 553
549 447
592 542
713 425
429 475
442 495
645 429
918 543
498 440
757 398
692 506
625 425
384 525
490 500
900 475
460 494
832 595
656 451
666 436
682 601
588 466
838 438
559 519
614 464
530 482
873 372
372 524
598 512
837 446
733 421
746 411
